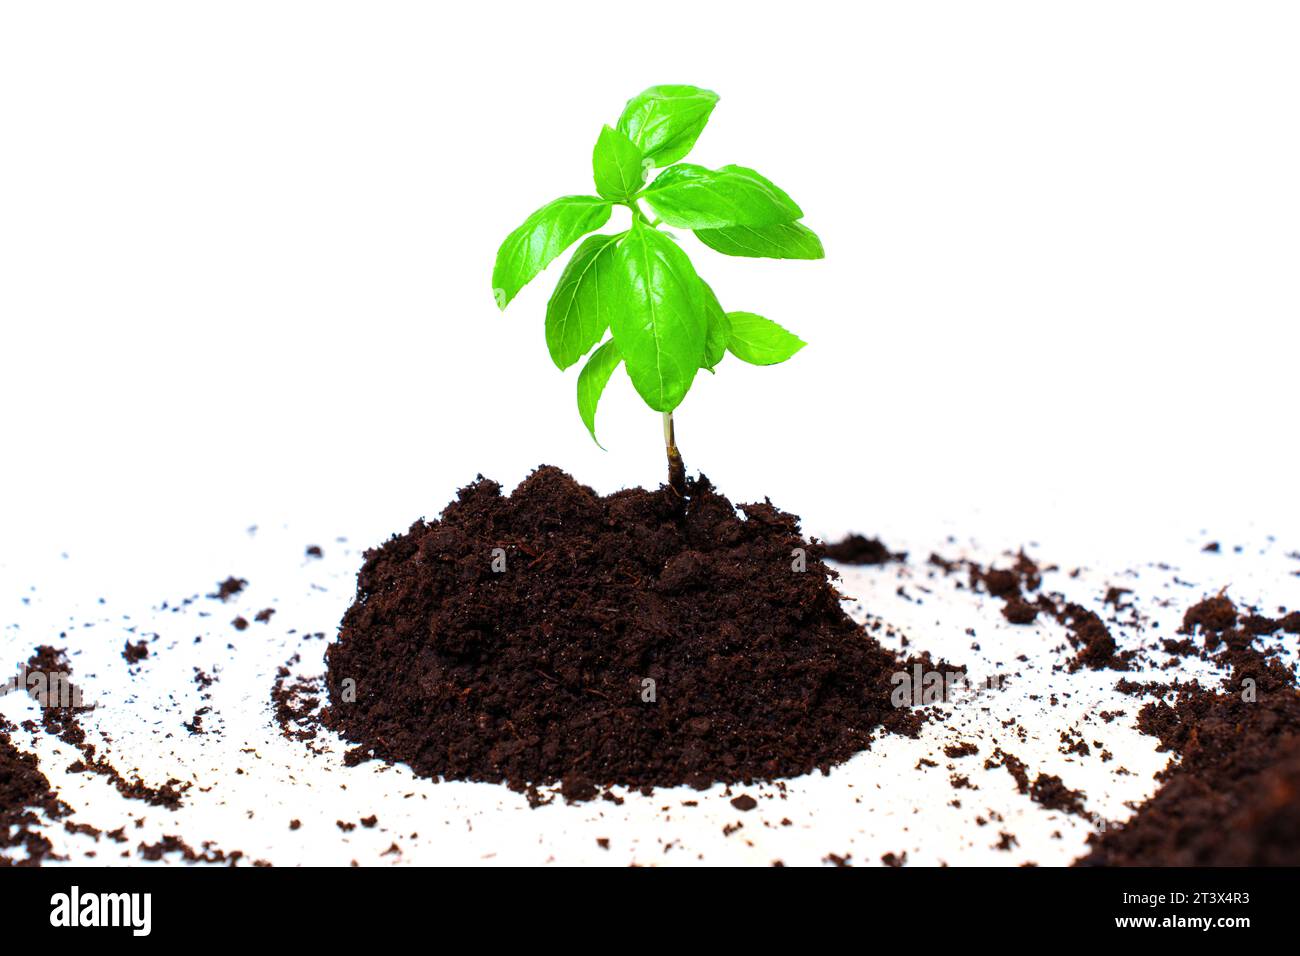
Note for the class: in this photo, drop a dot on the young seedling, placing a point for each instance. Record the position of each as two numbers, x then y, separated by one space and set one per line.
663 320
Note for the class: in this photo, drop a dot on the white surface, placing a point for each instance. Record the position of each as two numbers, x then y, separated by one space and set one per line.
248 782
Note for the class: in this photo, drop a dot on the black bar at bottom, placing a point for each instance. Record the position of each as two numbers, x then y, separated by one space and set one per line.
336 905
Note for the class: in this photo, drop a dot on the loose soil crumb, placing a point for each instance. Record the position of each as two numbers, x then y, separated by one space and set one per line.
229 588
297 703
135 653
856 549
174 844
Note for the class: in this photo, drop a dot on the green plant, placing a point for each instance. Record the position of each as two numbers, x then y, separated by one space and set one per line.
664 322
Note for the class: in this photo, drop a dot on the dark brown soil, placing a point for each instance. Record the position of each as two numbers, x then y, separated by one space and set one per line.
557 635
228 588
25 795
296 702
61 718
135 653
856 549
1019 587
1212 616
208 854
1233 799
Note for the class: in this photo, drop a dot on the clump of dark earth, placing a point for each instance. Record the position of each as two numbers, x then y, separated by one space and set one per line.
857 549
1045 790
1212 616
555 635
135 653
228 588
296 701
25 796
1233 797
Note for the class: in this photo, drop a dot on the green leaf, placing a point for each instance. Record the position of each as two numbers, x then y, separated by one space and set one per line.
592 381
665 121
693 197
786 240
717 331
659 324
617 165
578 313
760 341
542 237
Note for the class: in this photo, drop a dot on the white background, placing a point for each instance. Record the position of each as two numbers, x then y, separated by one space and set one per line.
245 252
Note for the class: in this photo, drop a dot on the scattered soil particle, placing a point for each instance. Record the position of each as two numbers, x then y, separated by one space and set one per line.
1014 585
744 802
240 623
1013 765
1018 611
1049 792
264 615
856 549
135 653
1115 597
637 639
894 859
957 751
195 724
229 588
296 701
314 551
60 718
174 844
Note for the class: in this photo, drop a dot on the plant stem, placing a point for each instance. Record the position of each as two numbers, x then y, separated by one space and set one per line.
676 467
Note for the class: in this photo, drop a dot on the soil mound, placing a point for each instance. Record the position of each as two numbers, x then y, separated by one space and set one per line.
555 635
